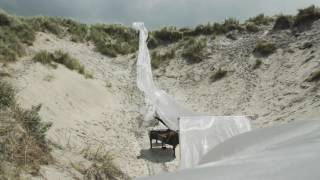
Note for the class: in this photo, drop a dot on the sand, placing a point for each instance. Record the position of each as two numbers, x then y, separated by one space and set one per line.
105 112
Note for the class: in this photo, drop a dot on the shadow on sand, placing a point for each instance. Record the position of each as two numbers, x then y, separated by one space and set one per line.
157 154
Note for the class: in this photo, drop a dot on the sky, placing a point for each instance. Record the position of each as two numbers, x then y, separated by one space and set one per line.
155 13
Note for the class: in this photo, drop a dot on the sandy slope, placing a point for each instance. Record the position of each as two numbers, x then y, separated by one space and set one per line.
100 113
104 112
273 94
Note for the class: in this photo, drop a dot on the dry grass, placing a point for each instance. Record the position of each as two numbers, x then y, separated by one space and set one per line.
265 49
283 22
218 74
102 167
63 58
15 34
194 50
260 19
158 59
23 145
112 40
167 35
306 17
251 27
257 64
7 95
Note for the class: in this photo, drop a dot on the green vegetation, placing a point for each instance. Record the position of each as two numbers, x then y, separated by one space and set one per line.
218 74
157 58
77 30
306 17
32 123
167 35
6 95
46 24
283 22
14 35
63 58
172 34
231 36
60 27
194 50
260 19
257 64
22 136
112 40
265 49
251 27
103 166
152 42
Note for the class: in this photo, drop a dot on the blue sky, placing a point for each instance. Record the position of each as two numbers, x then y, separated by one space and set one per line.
155 13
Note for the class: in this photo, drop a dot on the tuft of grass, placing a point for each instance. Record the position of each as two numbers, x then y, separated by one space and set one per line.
88 75
78 31
63 58
218 74
158 59
231 24
70 62
251 27
60 27
15 33
103 166
43 57
46 24
257 64
265 49
22 136
7 95
168 35
283 22
111 40
5 19
260 19
49 78
306 17
32 123
231 36
194 50
152 42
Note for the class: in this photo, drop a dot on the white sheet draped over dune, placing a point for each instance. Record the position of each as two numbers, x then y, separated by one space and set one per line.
198 133
286 152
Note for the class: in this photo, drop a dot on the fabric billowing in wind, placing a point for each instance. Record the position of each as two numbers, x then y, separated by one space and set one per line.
156 99
198 134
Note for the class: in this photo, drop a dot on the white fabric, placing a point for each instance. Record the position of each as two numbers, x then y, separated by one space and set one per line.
286 152
156 99
200 134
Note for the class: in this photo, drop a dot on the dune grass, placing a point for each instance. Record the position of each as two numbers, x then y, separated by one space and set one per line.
15 34
218 74
194 50
265 49
158 59
112 40
102 167
60 57
260 19
306 17
283 22
22 136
